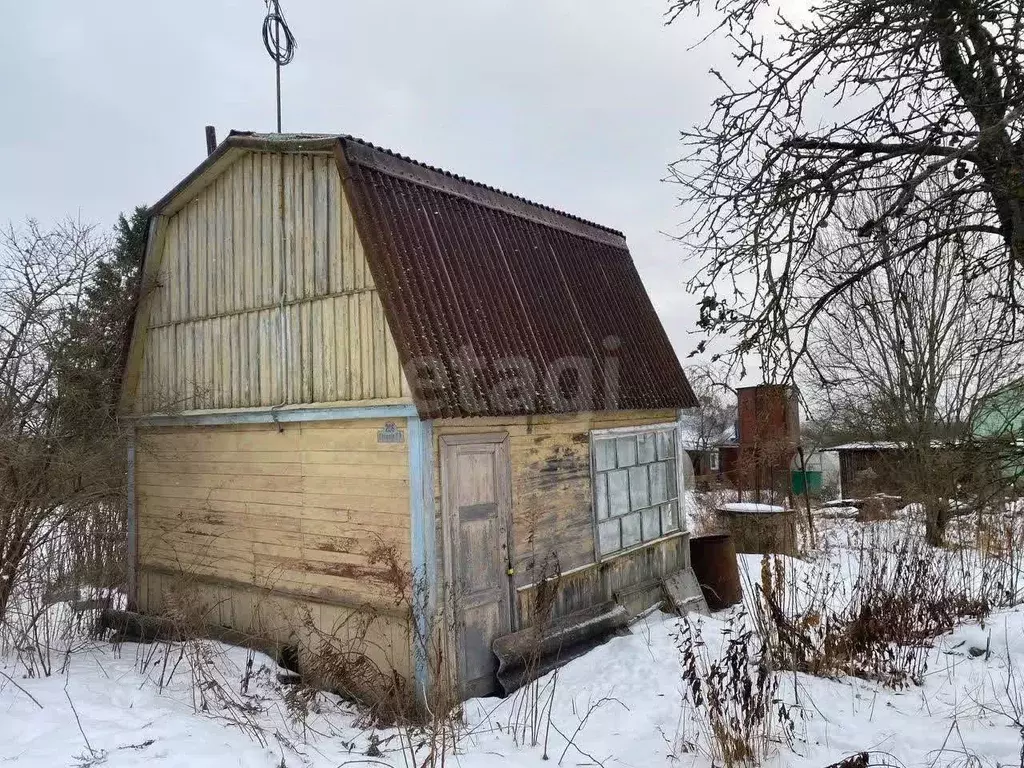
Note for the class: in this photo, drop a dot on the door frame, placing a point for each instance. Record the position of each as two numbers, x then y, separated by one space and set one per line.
448 531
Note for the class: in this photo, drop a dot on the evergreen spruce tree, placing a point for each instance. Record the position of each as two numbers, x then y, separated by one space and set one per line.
90 361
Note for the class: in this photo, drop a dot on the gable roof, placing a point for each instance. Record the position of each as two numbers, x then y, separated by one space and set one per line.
498 306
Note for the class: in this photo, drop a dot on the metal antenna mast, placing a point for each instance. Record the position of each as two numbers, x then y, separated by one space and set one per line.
280 44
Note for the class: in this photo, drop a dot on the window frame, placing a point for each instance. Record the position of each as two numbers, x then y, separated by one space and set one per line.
633 431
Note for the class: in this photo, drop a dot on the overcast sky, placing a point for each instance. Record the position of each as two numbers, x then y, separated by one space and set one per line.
573 103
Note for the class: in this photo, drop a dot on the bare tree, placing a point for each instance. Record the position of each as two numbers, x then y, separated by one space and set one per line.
717 410
53 473
909 351
919 102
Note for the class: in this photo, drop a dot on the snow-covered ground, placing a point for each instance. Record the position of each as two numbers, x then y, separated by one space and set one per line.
620 705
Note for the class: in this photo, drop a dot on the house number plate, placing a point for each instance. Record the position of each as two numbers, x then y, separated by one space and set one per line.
390 434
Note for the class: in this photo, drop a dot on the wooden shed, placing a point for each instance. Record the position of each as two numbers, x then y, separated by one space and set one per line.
375 402
899 470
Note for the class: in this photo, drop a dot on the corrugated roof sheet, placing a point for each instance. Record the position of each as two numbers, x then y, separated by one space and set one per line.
500 306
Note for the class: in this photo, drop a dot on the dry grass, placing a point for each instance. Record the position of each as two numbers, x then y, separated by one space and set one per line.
734 697
880 625
344 660
531 705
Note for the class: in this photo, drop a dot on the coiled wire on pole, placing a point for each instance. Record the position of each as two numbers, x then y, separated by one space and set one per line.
277 37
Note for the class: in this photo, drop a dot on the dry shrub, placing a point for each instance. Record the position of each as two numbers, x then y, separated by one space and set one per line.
347 659
61 456
431 728
704 517
186 651
905 594
994 541
530 713
342 659
879 506
67 573
734 697
337 661
428 728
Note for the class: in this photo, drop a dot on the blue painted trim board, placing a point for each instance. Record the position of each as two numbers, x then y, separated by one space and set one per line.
424 549
279 415
132 528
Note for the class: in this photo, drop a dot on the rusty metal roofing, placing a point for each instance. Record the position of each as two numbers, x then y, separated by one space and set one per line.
500 306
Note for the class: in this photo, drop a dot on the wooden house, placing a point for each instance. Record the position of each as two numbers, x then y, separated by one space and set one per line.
365 388
998 428
900 470
700 441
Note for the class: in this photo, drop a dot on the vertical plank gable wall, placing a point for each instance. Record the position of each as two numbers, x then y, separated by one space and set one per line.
265 298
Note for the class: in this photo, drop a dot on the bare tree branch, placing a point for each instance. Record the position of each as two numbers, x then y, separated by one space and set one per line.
919 103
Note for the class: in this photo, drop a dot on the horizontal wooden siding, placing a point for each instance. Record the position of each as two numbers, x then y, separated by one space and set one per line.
297 510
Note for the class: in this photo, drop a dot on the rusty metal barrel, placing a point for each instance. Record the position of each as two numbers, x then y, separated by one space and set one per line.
713 559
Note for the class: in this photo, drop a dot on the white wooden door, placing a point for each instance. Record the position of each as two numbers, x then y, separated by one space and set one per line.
476 498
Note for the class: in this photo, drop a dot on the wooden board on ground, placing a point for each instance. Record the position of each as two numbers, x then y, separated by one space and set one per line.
684 593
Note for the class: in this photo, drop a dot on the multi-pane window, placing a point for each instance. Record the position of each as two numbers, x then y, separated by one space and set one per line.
636 492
